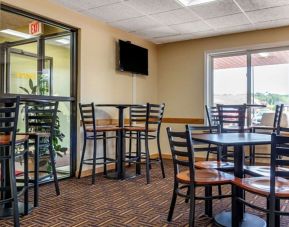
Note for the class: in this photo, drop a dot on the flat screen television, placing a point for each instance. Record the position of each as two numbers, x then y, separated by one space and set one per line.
133 58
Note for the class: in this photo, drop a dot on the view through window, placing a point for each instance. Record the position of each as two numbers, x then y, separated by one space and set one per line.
253 77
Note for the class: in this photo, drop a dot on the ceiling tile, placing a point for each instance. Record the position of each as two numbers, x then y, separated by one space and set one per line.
153 6
136 24
249 5
192 27
176 16
113 12
216 9
269 14
229 21
157 32
85 4
272 24
175 38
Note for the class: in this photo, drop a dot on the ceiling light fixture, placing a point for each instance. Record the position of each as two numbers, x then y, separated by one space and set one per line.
63 41
264 54
194 2
16 33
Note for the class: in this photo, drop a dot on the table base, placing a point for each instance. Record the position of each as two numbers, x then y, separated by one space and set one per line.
114 176
225 219
8 212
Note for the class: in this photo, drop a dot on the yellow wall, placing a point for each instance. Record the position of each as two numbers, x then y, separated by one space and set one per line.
181 69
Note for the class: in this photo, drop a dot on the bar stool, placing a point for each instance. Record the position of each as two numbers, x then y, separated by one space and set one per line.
40 120
145 124
9 109
93 132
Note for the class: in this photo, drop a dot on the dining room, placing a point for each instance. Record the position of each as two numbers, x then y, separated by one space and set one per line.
144 113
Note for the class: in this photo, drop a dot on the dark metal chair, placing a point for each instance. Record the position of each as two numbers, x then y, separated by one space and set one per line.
40 121
182 149
274 187
267 130
145 124
9 109
93 132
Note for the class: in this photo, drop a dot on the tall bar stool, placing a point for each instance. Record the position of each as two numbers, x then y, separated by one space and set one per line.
93 132
145 125
9 109
40 119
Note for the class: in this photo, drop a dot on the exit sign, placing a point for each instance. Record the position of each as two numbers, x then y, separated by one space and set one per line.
35 28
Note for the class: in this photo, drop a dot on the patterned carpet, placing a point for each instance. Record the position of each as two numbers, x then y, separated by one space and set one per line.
119 203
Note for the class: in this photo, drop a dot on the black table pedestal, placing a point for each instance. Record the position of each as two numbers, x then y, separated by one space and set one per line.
249 220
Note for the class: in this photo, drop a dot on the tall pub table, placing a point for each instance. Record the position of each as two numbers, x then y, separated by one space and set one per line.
237 217
121 153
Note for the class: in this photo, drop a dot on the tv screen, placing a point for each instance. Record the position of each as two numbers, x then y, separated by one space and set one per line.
133 58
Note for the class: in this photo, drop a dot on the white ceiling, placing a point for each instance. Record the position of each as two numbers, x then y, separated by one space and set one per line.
163 21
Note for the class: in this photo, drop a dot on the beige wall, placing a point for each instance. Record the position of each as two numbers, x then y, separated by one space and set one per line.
98 79
181 70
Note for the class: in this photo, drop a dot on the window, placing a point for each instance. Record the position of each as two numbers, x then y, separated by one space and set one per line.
259 77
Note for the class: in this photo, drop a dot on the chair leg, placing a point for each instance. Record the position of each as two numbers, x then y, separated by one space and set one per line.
173 203
188 194
14 192
82 158
94 160
148 164
129 147
36 172
26 178
52 159
104 153
192 207
160 156
208 152
138 154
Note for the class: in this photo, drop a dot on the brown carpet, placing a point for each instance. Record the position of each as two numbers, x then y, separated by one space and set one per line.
120 203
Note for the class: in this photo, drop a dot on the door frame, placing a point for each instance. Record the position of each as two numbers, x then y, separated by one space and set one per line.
73 98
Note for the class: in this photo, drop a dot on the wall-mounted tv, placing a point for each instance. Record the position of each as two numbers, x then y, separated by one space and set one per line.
133 58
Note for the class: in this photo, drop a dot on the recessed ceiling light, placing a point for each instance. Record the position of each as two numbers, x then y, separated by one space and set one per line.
63 41
16 33
194 2
264 54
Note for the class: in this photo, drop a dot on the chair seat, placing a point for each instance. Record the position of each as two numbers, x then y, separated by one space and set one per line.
214 165
6 139
262 171
104 128
261 185
205 176
138 129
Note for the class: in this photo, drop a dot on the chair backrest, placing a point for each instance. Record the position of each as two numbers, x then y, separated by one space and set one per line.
9 110
87 113
277 116
212 115
232 117
279 158
182 151
41 116
149 114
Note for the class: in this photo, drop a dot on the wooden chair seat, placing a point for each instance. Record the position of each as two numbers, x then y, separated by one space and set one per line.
6 139
214 165
104 128
261 185
205 177
261 171
139 129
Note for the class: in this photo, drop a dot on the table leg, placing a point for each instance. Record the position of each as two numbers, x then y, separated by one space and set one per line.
120 161
238 208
